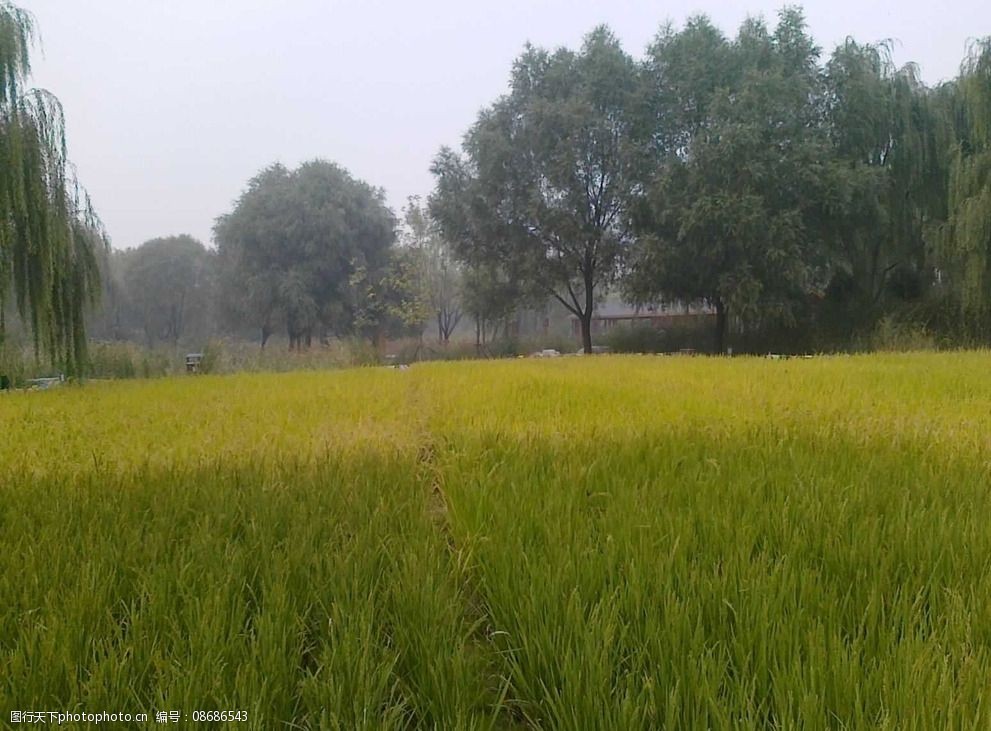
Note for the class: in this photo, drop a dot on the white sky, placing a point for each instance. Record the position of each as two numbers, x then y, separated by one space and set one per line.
172 105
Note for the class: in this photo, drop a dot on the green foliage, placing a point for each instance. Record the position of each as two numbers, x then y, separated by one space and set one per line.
539 190
49 235
680 544
887 180
695 336
115 360
360 352
491 296
798 197
439 272
737 165
963 240
393 302
306 244
14 363
891 335
636 340
212 356
226 356
168 283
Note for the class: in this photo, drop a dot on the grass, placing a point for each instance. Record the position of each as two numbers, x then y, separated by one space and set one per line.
600 543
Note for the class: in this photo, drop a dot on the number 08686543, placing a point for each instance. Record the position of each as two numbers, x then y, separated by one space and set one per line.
220 715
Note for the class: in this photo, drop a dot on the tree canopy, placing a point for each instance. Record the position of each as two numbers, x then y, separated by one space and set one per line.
49 234
169 285
441 275
963 238
737 164
306 244
540 186
784 189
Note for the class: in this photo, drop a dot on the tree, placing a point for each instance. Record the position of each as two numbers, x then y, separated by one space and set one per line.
441 272
963 238
298 242
491 297
109 321
888 139
723 213
49 234
248 300
168 283
539 192
393 302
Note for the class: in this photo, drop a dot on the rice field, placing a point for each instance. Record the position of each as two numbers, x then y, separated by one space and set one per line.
580 543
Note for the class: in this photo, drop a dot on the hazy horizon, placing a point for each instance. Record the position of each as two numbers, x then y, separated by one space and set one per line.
171 108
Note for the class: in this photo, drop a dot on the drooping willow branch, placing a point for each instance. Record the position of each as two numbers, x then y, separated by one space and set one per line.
50 235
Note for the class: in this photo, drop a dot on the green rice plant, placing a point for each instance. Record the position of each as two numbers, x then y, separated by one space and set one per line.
572 543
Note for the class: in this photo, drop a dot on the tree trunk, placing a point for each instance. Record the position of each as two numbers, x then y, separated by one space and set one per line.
720 327
586 323
266 334
446 321
586 316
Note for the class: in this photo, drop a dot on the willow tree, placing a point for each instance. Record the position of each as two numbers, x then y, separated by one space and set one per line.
49 234
964 240
887 180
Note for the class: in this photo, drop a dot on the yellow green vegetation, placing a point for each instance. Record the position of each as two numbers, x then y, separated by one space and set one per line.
598 543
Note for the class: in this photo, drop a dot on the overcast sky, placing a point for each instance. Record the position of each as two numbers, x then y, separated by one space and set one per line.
172 105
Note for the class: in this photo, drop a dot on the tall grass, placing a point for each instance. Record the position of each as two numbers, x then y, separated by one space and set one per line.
607 543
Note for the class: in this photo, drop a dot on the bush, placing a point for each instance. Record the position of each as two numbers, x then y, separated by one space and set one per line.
360 352
14 365
636 340
236 356
113 360
646 339
415 350
213 355
891 335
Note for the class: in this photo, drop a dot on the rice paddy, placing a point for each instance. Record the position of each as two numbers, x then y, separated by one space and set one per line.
579 543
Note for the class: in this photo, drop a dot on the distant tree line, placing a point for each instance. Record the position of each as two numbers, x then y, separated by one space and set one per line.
798 195
311 253
812 197
161 292
793 193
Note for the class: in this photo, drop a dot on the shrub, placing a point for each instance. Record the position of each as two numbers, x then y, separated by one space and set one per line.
646 339
14 361
113 360
891 335
638 339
